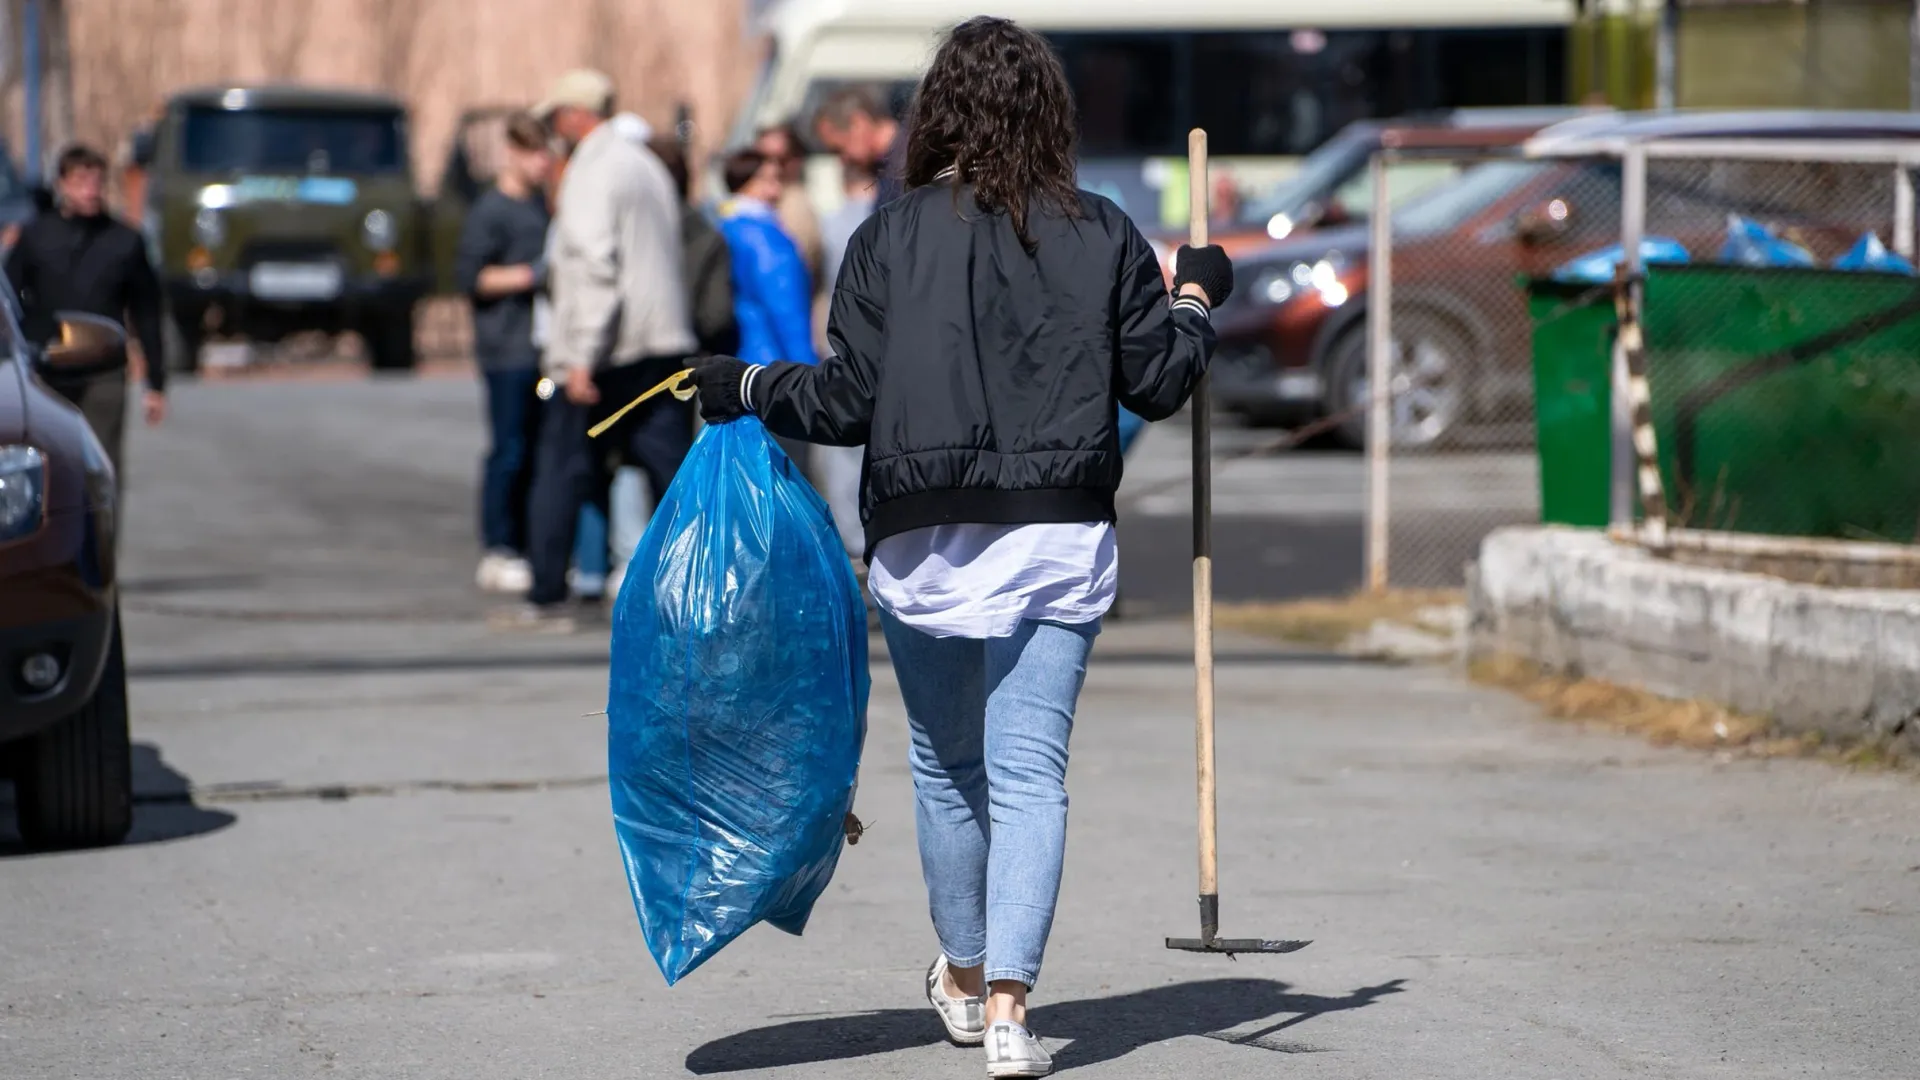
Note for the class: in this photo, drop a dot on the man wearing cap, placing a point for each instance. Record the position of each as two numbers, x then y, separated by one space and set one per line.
620 324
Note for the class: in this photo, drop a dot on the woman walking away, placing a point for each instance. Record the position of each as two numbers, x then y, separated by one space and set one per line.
985 330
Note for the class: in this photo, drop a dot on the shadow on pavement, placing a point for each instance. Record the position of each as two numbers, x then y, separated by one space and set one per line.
163 806
1102 1029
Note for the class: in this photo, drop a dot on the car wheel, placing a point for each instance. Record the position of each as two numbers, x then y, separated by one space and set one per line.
74 781
389 339
1431 367
181 335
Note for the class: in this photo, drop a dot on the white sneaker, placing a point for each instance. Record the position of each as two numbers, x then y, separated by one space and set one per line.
503 572
1014 1051
516 574
965 1017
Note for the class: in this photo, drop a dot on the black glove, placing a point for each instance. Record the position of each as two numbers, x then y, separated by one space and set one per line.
1207 267
718 380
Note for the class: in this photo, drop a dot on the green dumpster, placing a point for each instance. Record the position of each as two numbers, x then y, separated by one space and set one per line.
1573 332
1785 401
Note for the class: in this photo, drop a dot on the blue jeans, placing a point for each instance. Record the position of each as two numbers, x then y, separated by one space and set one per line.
989 723
513 417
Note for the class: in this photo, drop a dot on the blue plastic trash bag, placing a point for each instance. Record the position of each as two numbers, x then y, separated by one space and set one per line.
1871 254
1599 267
1750 243
1131 425
737 702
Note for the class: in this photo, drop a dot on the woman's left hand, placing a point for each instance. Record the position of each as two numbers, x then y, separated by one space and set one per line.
719 379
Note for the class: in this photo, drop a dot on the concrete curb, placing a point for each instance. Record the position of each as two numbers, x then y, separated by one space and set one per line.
1842 662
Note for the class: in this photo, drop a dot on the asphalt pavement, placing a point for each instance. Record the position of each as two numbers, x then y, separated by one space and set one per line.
371 847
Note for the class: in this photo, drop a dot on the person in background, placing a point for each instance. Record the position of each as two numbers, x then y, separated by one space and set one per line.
836 469
772 298
708 264
620 325
986 327
708 270
597 542
501 265
781 145
78 257
856 124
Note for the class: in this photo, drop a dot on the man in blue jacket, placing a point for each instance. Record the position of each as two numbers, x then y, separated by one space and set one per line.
772 294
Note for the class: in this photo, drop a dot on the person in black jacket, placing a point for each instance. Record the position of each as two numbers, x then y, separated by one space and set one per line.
985 329
78 257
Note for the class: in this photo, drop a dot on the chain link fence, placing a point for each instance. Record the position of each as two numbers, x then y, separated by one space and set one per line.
1447 334
1782 361
1776 344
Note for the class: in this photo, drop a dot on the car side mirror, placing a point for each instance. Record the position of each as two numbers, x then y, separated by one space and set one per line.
1544 223
86 345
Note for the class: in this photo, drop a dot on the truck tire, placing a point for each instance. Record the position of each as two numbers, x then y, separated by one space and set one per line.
181 335
74 782
389 337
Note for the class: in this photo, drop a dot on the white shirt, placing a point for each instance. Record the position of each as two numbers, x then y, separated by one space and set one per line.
980 581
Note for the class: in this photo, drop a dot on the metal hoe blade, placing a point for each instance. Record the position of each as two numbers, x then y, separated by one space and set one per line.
1231 945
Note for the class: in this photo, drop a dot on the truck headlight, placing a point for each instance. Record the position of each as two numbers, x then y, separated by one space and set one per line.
209 228
23 490
380 230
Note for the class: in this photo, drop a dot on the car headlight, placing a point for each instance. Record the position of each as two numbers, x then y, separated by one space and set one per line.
23 490
209 227
380 230
1273 285
1276 284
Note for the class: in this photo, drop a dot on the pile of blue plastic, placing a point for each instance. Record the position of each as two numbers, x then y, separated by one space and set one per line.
737 701
1748 243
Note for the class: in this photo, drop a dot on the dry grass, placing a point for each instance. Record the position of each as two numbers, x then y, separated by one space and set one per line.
1699 725
1333 622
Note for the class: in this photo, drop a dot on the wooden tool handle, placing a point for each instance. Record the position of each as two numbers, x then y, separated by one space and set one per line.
1203 572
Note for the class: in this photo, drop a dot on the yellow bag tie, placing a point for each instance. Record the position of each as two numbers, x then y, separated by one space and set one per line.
676 384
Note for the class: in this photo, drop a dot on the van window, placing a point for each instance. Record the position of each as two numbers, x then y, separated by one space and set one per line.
359 142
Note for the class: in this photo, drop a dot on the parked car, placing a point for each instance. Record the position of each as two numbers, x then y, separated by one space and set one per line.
1293 338
1334 186
276 210
63 679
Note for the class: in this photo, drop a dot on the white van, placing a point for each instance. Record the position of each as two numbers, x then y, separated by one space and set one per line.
1269 79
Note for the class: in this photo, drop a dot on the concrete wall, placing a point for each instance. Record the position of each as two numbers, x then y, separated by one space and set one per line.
442 56
1844 662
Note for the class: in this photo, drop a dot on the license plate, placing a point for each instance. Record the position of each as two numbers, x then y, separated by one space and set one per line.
295 281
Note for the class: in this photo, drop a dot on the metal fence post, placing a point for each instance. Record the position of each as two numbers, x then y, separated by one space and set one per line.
1379 372
1903 210
1633 228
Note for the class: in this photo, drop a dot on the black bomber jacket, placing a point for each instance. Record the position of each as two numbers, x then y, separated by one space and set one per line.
982 379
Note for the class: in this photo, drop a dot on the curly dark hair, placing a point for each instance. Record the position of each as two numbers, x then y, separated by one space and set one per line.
994 106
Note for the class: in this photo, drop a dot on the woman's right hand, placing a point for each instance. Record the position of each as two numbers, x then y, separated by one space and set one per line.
1206 268
719 381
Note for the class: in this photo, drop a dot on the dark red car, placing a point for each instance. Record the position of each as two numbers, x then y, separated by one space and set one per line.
63 694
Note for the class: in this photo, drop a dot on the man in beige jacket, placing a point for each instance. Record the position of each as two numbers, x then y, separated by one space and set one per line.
620 324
